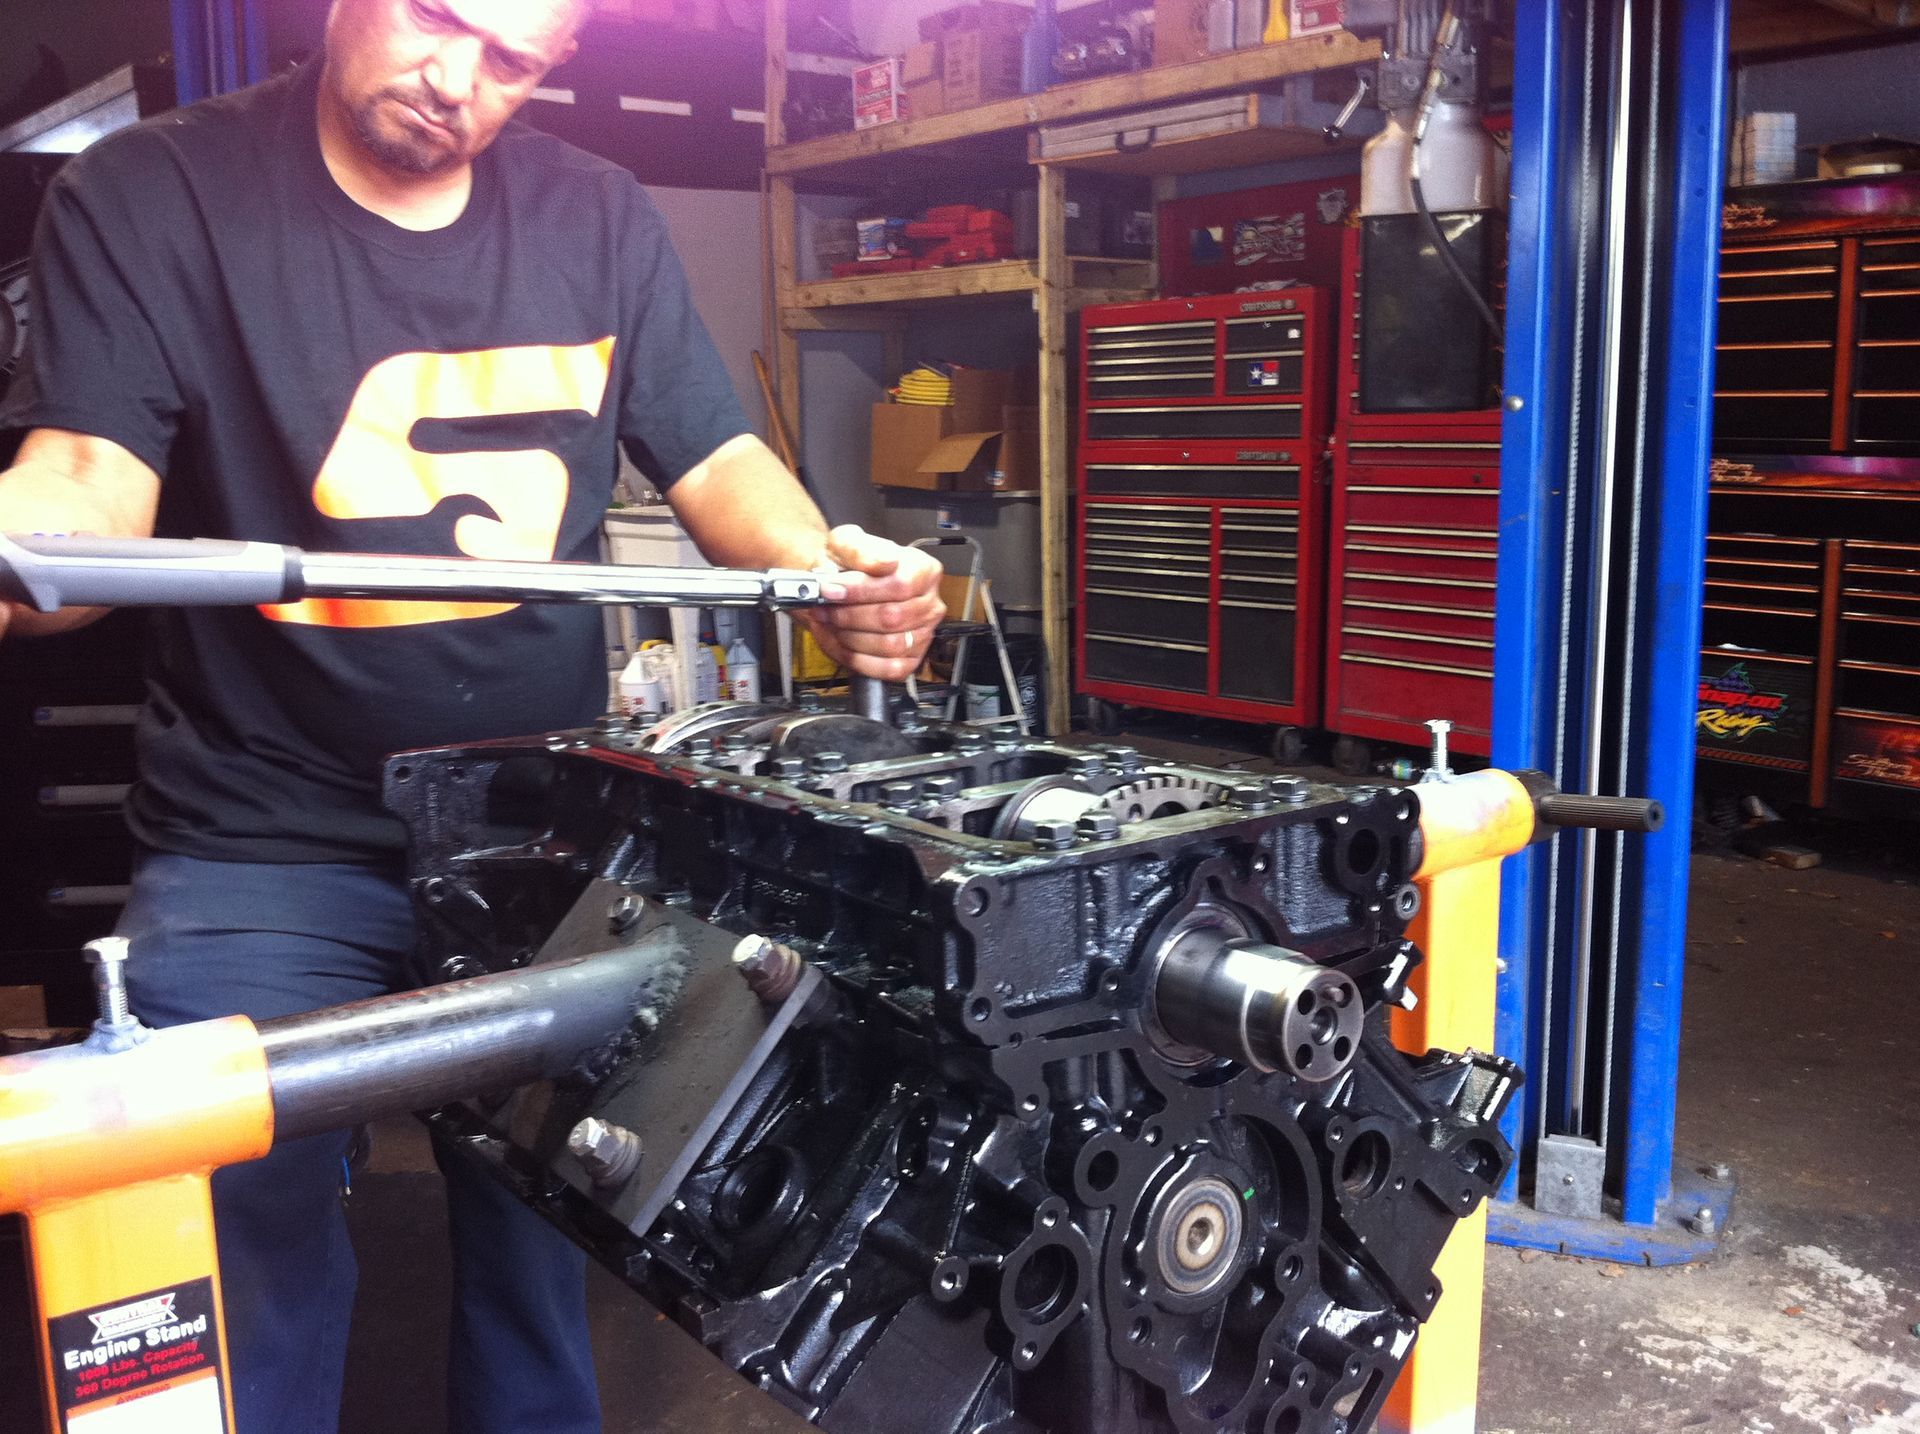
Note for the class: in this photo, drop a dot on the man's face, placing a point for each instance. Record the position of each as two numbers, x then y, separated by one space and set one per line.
428 84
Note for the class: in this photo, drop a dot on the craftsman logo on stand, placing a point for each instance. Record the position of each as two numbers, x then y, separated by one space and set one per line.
149 1365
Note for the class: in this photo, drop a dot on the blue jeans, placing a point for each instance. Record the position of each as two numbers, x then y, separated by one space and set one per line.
263 940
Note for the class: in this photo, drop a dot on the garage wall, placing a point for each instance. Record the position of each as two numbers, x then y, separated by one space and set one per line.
1847 95
91 37
717 233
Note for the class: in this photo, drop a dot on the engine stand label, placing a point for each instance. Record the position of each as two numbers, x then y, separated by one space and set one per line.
148 1365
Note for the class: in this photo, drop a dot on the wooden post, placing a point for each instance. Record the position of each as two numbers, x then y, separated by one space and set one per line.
1051 301
783 222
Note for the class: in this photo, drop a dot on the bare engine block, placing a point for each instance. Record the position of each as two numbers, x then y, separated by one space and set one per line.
999 1085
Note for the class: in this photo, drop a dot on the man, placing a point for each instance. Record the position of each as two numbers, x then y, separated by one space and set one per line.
356 308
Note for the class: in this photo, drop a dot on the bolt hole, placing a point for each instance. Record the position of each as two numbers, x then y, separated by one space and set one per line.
1029 1352
403 774
979 1008
1322 1025
1307 1002
1364 1169
1046 1284
1152 1137
975 901
1029 1104
1303 1059
1141 1330
1291 1270
1262 864
1363 853
1342 1048
1102 1171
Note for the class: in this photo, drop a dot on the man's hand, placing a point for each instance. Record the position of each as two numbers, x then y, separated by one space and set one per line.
882 625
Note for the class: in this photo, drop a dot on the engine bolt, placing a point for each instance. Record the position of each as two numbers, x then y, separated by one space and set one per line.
611 723
735 744
608 1153
810 702
771 970
624 915
824 763
971 740
1291 790
108 957
942 788
789 769
1097 826
898 796
1085 765
1128 759
1703 1222
1251 798
1053 836
700 748
1720 1172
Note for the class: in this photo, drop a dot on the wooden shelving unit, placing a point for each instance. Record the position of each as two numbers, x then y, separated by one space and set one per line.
1055 284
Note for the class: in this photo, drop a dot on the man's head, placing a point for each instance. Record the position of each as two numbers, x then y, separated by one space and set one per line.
425 85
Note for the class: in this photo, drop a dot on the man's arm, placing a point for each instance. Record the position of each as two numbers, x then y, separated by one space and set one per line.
744 509
63 482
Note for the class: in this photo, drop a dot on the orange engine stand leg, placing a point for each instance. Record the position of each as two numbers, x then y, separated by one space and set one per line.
1469 825
108 1155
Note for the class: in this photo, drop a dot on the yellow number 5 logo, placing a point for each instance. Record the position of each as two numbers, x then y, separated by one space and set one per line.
375 471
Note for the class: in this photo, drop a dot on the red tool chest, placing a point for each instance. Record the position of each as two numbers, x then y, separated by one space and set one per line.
1199 539
1413 539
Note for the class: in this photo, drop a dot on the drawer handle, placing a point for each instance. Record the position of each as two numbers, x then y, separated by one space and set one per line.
105 794
74 897
1364 660
1145 642
1144 597
101 716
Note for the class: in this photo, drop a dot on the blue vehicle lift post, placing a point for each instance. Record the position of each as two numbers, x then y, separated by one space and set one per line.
1618 153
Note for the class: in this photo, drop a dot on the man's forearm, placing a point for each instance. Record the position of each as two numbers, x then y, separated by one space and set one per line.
743 509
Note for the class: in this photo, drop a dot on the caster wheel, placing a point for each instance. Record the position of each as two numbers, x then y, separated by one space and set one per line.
1104 717
1288 747
1353 757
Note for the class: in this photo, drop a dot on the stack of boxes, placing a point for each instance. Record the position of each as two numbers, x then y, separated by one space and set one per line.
968 55
947 234
986 441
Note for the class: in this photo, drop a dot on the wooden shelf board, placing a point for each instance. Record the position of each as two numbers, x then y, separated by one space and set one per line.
1237 69
967 281
1223 151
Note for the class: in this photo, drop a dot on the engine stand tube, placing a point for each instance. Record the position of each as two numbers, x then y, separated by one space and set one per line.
1469 824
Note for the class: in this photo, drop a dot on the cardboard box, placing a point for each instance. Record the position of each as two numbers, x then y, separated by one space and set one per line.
979 66
903 435
879 97
1179 31
1001 460
1315 17
983 15
980 398
921 74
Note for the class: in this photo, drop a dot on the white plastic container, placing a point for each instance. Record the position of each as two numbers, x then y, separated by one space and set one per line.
646 683
743 672
707 665
1460 164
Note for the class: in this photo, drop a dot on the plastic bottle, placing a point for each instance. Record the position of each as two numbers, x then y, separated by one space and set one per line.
646 683
743 672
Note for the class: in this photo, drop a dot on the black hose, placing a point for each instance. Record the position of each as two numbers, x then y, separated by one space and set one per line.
1448 257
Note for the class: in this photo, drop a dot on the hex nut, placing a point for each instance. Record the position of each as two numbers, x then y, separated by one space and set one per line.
608 1153
1053 836
1097 826
1291 790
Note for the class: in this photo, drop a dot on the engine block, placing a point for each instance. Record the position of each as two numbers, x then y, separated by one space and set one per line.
999 1085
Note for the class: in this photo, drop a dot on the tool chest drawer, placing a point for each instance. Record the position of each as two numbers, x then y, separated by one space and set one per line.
1413 560
1195 603
1226 366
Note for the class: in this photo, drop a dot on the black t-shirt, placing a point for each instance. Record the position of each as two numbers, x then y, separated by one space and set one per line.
302 371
